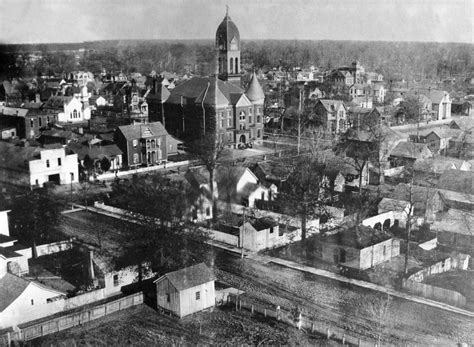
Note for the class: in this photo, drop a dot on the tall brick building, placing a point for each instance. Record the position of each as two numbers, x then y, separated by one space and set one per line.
217 104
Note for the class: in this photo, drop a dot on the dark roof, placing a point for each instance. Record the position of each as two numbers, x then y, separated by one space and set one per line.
437 165
190 277
7 253
139 131
11 287
360 237
410 150
435 95
226 31
263 223
57 102
196 86
458 181
95 152
6 238
328 104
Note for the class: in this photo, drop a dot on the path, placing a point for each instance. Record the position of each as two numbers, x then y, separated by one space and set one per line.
267 259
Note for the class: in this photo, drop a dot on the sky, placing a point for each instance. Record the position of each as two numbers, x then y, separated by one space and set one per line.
43 21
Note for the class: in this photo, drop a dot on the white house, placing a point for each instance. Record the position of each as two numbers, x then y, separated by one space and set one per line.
238 184
53 165
186 291
69 109
23 301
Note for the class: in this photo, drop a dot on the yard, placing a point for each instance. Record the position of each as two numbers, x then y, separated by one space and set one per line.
143 326
459 281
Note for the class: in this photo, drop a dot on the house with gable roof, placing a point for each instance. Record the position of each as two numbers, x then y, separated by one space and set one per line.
144 144
69 109
186 291
332 114
440 104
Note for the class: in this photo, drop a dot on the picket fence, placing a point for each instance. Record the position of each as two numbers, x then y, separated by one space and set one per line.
30 331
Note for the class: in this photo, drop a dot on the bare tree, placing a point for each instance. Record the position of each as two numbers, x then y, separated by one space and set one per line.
211 149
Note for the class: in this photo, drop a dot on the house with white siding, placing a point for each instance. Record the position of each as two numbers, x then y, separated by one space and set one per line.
186 291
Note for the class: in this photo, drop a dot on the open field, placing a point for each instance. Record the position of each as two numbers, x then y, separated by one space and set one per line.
143 326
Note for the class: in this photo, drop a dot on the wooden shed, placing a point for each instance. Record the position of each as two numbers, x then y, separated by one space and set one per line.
186 291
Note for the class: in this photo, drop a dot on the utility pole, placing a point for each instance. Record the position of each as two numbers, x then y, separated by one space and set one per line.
243 233
72 175
299 122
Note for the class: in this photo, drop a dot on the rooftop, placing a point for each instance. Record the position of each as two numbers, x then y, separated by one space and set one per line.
360 237
190 277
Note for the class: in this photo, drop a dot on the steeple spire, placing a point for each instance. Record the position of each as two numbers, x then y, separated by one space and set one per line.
226 10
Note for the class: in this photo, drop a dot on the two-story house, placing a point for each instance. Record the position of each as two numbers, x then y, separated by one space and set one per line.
332 114
144 144
441 104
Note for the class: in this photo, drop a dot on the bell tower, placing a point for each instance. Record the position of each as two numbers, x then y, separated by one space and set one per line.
228 51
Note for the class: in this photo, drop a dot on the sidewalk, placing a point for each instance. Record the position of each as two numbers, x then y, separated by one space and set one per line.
267 259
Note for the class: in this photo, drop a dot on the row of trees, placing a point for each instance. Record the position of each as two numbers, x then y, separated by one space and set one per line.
394 60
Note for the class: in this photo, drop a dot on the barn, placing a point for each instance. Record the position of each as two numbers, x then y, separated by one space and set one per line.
186 291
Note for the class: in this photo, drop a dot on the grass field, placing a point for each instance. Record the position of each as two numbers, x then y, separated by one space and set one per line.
143 326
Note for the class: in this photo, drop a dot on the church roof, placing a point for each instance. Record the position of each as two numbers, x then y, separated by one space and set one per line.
227 31
254 91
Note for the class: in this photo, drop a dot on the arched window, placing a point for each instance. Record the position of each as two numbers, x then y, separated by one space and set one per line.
236 65
231 70
74 114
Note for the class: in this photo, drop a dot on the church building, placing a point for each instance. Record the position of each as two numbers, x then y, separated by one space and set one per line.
217 104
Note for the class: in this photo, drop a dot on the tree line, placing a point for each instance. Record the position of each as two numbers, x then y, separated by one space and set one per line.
395 60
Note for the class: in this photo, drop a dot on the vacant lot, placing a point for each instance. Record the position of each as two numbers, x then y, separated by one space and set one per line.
143 326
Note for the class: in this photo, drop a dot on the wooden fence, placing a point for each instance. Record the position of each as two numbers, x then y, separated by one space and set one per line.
30 331
303 323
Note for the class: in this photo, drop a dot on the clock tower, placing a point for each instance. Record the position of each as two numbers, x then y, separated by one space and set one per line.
228 51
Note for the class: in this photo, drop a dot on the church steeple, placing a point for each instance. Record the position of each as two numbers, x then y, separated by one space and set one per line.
228 50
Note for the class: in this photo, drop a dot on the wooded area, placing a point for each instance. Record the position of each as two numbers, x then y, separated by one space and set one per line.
394 60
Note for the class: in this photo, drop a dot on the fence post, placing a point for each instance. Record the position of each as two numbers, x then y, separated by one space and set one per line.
344 338
329 333
252 308
240 305
265 312
312 327
278 313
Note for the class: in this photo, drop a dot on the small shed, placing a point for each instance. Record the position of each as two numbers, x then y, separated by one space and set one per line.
186 291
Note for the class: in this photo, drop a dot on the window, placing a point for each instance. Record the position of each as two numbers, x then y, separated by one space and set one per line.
40 122
271 230
47 162
36 182
250 111
116 280
242 116
259 119
32 123
259 133
167 297
135 158
222 122
208 211
198 295
250 119
47 119
135 143
384 250
229 122
59 161
32 302
74 114
72 176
